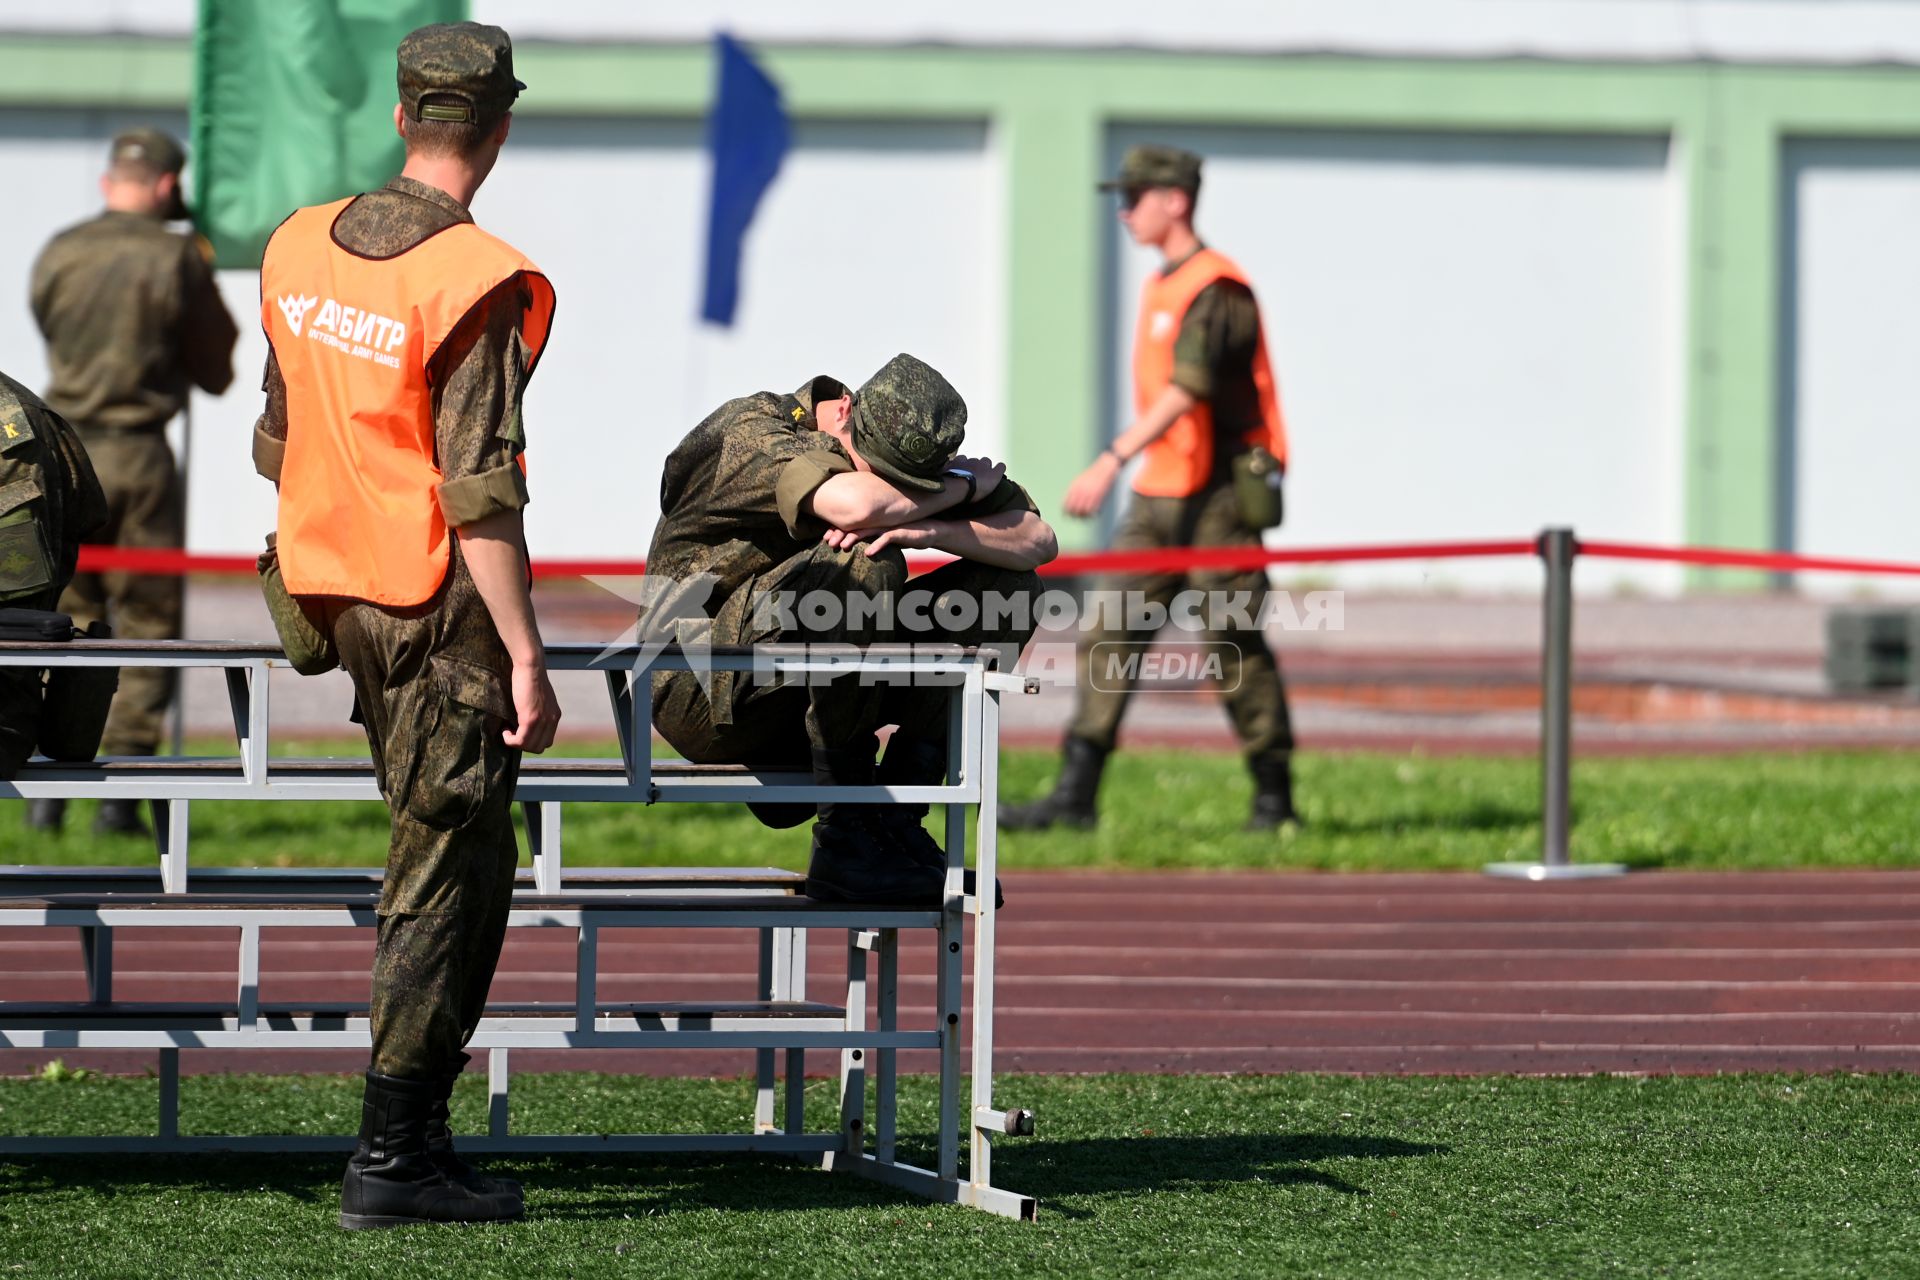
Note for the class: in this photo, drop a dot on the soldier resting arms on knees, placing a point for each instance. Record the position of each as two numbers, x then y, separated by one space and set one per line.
774 497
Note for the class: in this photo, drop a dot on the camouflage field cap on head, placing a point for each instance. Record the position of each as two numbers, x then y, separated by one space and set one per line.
464 68
157 150
1151 166
908 422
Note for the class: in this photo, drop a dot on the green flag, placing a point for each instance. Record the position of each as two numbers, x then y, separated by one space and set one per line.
293 105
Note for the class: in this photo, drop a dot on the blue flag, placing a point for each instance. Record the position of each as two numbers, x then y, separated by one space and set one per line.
747 135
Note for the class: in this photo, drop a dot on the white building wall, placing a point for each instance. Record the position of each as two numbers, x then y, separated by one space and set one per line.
1475 337
1805 31
875 239
1852 401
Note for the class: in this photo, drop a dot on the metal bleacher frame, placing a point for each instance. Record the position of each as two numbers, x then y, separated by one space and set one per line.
98 900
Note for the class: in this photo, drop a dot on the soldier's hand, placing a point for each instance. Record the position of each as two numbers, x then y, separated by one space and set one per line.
535 708
1088 492
916 535
987 474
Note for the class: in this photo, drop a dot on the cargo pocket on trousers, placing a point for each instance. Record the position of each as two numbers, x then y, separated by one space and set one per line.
26 562
460 753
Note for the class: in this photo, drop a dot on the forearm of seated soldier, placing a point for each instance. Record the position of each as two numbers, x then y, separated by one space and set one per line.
1017 540
862 500
495 551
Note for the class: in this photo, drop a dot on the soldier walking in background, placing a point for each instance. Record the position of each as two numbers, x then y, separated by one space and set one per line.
1207 420
403 337
132 320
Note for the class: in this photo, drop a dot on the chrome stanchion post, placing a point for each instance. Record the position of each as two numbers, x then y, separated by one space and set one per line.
1557 549
1556 696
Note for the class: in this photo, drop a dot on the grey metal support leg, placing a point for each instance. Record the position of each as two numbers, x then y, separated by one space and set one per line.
763 1058
796 1115
885 1079
497 1085
853 1061
169 1093
96 948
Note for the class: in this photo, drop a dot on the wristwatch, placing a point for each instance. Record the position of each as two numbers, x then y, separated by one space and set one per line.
973 485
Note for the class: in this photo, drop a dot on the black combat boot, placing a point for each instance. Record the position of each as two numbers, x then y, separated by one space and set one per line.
46 815
440 1143
1272 791
119 818
918 762
392 1181
854 859
1071 803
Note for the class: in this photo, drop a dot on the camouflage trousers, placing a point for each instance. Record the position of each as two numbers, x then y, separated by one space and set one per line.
137 473
724 718
1256 697
431 685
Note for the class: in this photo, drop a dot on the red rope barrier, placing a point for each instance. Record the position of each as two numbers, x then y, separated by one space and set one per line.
164 560
1724 558
98 559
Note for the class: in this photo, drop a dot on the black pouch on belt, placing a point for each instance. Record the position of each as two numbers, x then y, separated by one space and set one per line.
73 712
308 647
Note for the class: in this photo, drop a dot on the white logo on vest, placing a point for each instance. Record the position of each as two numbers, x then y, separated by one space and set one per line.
352 331
295 309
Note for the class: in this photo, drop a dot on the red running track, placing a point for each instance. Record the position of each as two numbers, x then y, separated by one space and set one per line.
1656 972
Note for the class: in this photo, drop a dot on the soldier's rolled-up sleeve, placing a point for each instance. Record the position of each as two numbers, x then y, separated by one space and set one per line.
799 479
480 378
1219 332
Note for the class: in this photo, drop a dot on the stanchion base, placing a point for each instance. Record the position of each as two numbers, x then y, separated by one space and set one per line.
1554 871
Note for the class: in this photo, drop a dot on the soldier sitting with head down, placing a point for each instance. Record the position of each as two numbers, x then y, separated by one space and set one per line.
775 497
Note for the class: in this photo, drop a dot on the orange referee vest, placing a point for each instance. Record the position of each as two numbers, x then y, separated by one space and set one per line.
1180 462
353 336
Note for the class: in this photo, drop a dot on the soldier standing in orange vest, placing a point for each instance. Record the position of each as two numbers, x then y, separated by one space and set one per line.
1213 447
403 337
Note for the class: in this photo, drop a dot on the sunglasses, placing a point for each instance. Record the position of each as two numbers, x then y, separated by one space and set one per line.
1130 196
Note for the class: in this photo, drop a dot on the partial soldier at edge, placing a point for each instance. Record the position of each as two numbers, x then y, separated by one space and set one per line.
50 502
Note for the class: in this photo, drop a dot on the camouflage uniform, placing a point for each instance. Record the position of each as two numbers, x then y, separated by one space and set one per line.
432 682
733 532
1213 361
50 502
132 319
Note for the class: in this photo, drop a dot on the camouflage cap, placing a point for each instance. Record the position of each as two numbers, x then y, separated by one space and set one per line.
1151 166
908 422
157 150
465 68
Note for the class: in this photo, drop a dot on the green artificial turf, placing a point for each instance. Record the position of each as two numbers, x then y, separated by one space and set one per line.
1171 809
1737 1176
